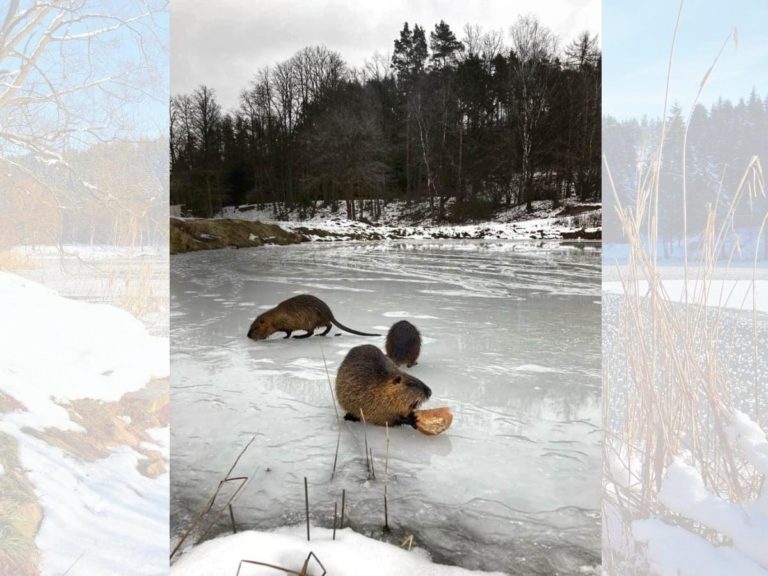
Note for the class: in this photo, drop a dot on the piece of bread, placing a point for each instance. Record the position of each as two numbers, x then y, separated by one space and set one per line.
434 421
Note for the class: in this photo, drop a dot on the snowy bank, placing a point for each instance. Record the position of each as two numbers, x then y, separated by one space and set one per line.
675 548
351 554
56 350
274 224
738 294
77 385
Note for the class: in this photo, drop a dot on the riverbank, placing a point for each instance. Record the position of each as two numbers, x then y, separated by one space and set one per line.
249 226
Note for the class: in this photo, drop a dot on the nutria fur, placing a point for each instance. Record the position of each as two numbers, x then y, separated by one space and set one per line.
303 312
370 382
403 343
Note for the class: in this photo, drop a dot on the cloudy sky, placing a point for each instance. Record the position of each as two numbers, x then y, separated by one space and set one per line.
222 44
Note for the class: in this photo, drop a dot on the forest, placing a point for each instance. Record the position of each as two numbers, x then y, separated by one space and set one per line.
490 120
710 152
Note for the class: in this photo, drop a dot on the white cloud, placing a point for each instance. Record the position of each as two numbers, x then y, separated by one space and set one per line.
222 44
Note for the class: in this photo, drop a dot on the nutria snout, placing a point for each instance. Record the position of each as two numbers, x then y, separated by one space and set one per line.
304 312
369 385
403 343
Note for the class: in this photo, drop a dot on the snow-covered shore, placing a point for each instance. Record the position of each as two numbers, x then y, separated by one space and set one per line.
350 554
94 462
399 220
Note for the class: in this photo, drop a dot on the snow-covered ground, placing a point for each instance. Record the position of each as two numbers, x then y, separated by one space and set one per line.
511 336
350 554
100 515
695 529
401 220
738 294
673 549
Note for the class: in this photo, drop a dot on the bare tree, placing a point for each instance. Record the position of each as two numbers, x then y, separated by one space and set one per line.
534 48
57 93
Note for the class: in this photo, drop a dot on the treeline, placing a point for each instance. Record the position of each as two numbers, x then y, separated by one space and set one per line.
489 120
719 144
108 193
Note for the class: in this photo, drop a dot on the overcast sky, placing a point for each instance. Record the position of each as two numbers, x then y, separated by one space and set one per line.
223 43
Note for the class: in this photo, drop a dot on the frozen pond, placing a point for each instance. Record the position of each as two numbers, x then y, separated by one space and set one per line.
511 343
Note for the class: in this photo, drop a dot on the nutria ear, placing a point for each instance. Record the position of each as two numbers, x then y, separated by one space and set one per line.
398 379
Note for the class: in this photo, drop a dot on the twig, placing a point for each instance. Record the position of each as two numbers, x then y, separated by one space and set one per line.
373 471
306 504
408 540
335 517
330 387
365 435
386 478
336 411
336 454
304 569
73 563
212 500
343 507
232 519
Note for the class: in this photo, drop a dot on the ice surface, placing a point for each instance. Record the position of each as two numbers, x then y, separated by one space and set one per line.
511 344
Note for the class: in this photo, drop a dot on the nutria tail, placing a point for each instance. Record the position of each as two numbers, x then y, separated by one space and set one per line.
342 327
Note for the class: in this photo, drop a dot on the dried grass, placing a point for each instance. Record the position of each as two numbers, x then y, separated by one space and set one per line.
675 389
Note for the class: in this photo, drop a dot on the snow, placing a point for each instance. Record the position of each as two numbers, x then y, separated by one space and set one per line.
57 349
351 554
403 220
684 492
738 294
510 343
674 551
100 516
88 252
752 440
673 541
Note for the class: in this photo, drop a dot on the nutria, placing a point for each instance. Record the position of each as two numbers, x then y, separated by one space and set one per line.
370 382
303 312
403 343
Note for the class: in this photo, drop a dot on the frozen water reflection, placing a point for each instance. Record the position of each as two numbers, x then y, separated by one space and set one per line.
511 343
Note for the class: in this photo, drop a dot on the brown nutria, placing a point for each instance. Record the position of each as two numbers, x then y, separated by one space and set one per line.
369 382
302 312
403 343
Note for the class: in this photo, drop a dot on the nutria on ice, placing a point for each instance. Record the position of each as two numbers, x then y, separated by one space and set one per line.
302 312
369 381
403 343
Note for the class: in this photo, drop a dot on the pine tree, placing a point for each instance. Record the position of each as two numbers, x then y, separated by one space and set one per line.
444 46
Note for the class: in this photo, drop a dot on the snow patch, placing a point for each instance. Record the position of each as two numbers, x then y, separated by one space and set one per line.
733 294
401 314
673 551
537 368
351 554
56 350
